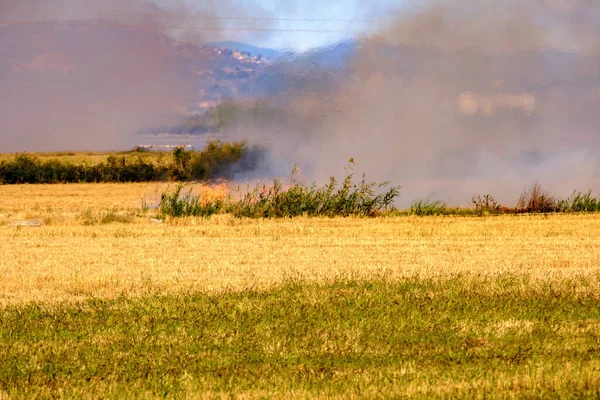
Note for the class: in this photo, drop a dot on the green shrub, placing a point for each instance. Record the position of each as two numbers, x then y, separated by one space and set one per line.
175 204
348 199
579 202
23 169
427 206
216 159
180 170
278 202
27 169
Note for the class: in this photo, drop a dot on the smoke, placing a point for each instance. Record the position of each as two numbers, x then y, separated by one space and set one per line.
81 75
452 97
457 98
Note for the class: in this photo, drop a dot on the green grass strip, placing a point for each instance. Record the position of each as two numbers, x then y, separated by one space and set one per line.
459 337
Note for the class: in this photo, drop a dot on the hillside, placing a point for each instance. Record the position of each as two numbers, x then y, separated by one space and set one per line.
76 48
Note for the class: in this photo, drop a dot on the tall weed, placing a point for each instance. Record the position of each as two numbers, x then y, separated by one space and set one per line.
486 204
427 206
176 204
579 202
536 199
279 201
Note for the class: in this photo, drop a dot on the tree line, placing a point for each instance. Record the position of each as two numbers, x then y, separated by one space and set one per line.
215 161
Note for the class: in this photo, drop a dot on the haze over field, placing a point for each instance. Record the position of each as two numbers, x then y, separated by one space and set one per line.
463 97
452 97
87 75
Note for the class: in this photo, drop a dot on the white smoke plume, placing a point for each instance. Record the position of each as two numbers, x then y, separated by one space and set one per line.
458 98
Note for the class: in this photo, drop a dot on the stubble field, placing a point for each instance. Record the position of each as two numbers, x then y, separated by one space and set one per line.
103 299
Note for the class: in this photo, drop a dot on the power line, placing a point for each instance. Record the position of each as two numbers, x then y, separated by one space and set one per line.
179 27
271 19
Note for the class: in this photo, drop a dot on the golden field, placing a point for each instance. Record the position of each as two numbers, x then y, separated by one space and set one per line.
79 254
394 306
92 157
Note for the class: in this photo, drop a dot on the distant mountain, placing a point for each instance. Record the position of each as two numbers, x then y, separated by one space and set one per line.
82 51
335 55
77 58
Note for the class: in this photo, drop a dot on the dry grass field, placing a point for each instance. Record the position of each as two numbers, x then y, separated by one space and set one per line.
479 306
96 243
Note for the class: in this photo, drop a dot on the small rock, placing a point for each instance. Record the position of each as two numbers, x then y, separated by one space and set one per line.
29 223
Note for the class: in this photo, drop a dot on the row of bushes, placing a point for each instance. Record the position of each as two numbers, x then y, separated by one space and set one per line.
355 199
534 199
30 169
276 201
217 160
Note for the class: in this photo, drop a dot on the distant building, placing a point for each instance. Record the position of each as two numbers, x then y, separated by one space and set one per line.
161 147
207 104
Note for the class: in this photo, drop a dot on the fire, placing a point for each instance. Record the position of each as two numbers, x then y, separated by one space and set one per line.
229 191
215 192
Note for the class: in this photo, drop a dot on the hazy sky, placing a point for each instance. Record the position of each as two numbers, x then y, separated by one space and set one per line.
312 9
282 24
278 18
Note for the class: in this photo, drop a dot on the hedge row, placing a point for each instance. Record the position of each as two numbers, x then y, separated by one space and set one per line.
216 160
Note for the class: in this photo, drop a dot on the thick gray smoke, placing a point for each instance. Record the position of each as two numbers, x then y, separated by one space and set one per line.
86 75
453 97
459 98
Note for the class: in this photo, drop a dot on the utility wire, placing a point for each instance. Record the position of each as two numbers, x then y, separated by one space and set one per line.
175 27
272 19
